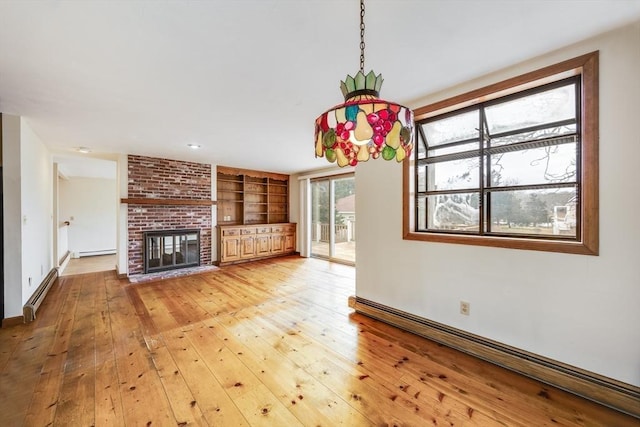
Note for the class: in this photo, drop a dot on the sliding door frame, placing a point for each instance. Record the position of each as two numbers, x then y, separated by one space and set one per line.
332 216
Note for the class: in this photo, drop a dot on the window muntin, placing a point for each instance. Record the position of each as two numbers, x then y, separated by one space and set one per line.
567 169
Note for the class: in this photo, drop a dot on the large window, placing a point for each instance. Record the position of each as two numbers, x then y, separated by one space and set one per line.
511 165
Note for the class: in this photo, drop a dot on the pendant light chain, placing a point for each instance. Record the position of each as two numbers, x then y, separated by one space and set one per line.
362 36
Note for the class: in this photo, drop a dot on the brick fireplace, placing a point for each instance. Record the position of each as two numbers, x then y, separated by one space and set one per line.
167 195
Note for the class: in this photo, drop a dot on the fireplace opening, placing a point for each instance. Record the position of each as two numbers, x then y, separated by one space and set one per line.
171 249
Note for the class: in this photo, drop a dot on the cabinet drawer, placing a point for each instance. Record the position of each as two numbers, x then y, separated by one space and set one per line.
264 230
246 231
231 232
277 229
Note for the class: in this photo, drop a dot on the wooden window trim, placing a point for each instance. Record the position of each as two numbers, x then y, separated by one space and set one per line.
588 241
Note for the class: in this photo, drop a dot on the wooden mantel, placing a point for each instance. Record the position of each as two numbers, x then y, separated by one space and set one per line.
158 202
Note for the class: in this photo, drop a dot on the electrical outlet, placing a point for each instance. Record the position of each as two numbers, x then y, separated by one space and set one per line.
465 308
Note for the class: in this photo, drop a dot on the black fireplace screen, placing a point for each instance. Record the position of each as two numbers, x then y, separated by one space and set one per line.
171 249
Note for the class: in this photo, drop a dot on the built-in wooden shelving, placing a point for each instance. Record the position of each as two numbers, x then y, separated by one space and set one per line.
251 197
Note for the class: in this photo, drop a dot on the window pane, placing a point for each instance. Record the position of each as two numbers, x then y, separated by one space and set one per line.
453 175
422 179
456 212
320 231
544 165
422 213
540 108
550 132
451 129
422 151
534 212
454 149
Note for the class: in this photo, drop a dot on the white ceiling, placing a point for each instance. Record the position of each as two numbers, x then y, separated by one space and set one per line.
247 78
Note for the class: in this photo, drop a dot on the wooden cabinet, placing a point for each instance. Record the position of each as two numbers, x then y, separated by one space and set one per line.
263 241
290 242
247 245
239 243
251 197
230 244
277 244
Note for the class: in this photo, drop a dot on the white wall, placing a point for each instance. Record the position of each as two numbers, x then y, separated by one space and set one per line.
123 232
294 210
577 309
37 210
92 204
28 213
12 215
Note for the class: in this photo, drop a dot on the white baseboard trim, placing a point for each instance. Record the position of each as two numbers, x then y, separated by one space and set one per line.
64 262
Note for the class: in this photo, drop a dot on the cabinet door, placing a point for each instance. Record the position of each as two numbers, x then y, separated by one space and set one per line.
230 249
263 246
277 243
289 242
247 247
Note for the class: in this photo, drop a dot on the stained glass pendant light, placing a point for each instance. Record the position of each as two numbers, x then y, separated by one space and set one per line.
364 126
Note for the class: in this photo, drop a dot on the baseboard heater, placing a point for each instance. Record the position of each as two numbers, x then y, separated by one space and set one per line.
98 252
606 391
30 308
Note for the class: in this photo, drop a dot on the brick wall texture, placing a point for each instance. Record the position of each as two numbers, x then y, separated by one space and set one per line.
167 179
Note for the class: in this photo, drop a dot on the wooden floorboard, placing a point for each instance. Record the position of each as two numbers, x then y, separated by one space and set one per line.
267 343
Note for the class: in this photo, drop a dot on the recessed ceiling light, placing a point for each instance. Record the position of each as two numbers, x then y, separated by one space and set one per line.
83 150
193 146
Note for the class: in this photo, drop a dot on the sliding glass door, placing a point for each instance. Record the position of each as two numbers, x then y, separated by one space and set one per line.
333 218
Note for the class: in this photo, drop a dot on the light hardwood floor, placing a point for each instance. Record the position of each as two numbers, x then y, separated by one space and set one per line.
269 343
90 264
